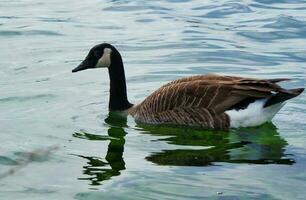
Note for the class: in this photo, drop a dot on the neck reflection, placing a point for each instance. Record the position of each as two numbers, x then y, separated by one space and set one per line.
98 170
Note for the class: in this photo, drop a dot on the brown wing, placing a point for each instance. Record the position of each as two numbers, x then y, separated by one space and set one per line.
217 93
202 100
214 77
207 77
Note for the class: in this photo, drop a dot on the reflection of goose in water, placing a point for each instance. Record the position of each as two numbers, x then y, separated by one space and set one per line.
97 169
260 145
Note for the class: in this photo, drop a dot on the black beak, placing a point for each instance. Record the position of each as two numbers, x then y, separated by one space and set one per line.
84 65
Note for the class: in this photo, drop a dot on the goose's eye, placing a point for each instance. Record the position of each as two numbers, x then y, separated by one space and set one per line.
97 54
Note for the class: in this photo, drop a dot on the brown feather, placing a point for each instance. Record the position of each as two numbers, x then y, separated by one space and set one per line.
201 100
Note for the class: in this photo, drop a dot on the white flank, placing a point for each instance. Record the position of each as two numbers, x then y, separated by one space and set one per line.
105 60
254 115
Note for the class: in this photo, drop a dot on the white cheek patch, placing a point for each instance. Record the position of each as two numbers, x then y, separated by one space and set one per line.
105 60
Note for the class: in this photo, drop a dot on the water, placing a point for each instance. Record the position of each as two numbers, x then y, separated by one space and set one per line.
101 156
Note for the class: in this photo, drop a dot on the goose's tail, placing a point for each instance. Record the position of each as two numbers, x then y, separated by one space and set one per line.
282 96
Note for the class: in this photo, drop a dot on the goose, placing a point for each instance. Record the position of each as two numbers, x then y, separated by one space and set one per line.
209 101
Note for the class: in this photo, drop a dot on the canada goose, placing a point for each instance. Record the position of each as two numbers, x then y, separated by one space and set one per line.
206 101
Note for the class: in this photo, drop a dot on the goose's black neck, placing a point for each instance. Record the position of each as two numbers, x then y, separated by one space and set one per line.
118 96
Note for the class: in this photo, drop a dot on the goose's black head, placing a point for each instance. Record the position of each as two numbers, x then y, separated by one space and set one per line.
106 56
100 56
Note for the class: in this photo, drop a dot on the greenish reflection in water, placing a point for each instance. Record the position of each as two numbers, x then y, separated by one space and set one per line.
258 145
98 170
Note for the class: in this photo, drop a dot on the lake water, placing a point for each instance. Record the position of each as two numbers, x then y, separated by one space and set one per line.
101 156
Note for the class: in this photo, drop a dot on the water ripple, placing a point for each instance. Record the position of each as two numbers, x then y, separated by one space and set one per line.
272 35
285 22
226 56
7 161
228 9
33 32
51 19
131 8
280 1
26 98
276 8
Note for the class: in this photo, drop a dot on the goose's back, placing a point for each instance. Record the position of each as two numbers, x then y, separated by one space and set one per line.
201 100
